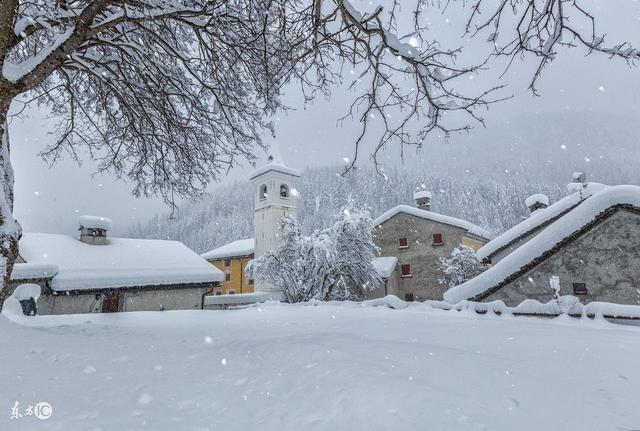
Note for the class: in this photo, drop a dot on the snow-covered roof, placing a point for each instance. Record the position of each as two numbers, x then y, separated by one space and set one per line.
275 166
241 247
94 222
422 194
385 265
430 215
238 298
537 219
537 198
551 236
32 271
121 262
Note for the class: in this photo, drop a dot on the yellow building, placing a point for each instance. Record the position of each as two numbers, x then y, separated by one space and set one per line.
232 259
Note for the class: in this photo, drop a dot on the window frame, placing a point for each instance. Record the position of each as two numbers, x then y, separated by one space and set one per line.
403 273
401 245
580 290
227 277
287 191
262 192
437 243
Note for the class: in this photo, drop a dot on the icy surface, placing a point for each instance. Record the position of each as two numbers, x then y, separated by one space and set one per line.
241 247
385 265
545 240
430 215
121 262
536 219
324 367
96 222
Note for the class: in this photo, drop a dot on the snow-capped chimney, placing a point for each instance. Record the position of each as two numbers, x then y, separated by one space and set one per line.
423 200
536 202
579 177
93 229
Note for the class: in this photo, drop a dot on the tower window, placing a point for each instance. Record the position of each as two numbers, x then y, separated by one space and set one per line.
263 192
284 191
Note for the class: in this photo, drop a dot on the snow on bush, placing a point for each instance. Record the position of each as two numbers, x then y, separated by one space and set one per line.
460 267
333 264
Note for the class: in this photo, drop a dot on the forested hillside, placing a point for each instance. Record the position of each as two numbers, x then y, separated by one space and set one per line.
227 213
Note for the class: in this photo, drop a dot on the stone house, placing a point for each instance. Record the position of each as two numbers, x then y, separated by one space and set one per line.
232 259
418 238
592 250
96 273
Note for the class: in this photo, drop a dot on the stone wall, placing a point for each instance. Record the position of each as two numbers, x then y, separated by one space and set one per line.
141 300
607 259
421 254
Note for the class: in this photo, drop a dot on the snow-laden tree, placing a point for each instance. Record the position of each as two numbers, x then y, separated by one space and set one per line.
333 264
462 265
169 94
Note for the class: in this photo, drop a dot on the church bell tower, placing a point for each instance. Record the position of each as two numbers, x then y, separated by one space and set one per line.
276 196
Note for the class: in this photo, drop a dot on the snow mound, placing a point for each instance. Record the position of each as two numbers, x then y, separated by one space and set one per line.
422 194
390 301
94 222
537 198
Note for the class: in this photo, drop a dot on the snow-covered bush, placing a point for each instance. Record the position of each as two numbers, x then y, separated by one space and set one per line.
461 266
332 264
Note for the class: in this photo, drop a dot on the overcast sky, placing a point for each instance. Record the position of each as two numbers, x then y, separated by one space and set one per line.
49 199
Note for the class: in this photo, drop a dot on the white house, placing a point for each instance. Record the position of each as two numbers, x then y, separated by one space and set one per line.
96 273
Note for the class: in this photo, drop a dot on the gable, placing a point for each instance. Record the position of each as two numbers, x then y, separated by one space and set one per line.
606 230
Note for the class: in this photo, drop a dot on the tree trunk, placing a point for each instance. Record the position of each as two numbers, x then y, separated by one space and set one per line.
10 230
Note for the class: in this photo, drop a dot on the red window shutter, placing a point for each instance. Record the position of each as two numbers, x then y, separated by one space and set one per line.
403 242
437 238
406 269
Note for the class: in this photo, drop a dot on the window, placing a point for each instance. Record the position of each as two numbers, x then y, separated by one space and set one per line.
227 262
227 277
437 239
263 192
218 292
406 270
409 297
251 281
284 191
231 292
579 288
403 243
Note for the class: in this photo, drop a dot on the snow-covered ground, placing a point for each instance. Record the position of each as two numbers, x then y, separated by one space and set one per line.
327 367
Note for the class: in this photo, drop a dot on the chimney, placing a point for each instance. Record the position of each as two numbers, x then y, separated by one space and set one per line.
579 177
423 200
93 229
536 202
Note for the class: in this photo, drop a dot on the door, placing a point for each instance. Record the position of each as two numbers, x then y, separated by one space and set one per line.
110 302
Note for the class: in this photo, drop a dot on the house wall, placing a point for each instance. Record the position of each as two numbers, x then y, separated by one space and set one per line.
607 259
390 283
151 300
422 255
239 283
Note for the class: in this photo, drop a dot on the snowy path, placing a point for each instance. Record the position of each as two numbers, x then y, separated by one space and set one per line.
319 368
